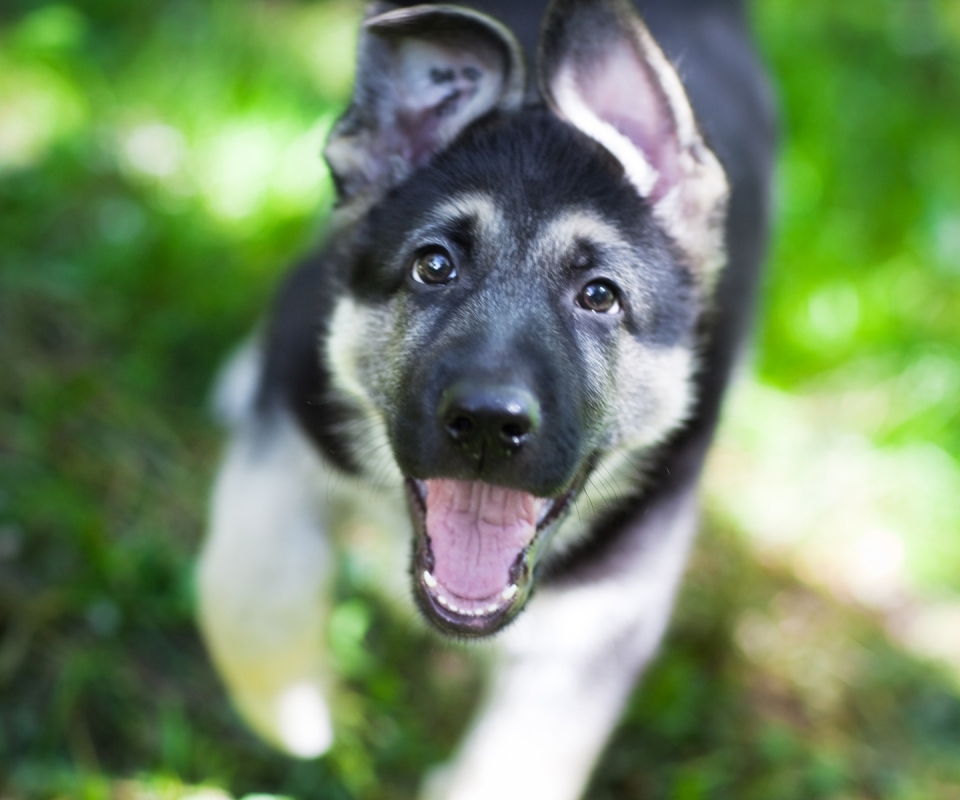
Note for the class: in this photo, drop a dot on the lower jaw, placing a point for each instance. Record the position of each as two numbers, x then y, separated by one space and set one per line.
461 623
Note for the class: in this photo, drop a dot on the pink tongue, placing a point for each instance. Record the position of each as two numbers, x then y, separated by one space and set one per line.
476 533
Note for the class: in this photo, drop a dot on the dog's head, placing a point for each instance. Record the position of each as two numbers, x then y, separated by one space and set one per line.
524 280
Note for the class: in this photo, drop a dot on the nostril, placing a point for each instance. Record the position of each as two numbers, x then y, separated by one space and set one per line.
513 433
460 427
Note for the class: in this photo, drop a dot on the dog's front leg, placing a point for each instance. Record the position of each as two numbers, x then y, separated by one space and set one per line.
568 665
261 580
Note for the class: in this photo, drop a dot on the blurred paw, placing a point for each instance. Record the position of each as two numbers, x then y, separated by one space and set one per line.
303 721
295 719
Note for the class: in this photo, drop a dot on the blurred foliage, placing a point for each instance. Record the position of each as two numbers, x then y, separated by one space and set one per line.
865 281
159 169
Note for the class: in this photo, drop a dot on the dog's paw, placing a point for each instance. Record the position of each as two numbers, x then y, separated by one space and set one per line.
296 719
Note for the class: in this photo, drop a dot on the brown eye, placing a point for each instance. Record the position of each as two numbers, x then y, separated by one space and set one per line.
434 267
599 296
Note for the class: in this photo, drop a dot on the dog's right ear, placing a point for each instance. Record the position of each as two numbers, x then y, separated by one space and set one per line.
423 74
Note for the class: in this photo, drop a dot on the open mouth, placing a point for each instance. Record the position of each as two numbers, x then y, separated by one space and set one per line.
476 545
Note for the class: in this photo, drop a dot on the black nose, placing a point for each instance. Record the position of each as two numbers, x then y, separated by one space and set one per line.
492 419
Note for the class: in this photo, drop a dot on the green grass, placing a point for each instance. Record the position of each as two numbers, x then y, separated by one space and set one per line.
159 169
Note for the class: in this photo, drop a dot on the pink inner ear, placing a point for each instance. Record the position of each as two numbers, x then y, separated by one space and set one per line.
435 90
623 92
431 103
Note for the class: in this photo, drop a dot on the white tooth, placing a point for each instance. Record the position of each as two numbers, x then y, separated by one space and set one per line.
443 601
492 609
429 580
509 592
544 511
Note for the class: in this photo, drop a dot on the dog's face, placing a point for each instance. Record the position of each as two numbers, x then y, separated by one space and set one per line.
523 284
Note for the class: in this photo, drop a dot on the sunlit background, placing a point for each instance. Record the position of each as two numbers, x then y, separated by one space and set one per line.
160 169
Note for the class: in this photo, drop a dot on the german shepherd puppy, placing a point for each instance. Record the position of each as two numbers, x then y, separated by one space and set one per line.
511 353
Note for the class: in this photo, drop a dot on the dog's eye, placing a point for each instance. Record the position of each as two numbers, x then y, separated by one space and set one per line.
434 267
599 296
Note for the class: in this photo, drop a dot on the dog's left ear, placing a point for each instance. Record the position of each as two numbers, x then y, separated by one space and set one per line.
601 71
423 74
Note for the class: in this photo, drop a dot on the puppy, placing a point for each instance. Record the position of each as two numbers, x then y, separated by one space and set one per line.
511 354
